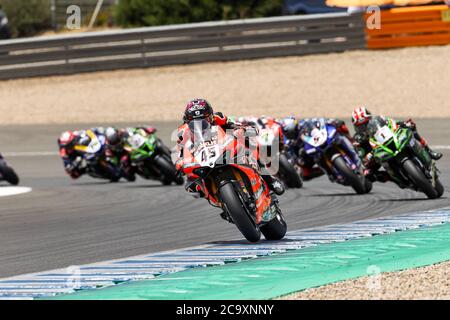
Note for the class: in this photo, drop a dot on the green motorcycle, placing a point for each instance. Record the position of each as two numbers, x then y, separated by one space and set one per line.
404 158
150 158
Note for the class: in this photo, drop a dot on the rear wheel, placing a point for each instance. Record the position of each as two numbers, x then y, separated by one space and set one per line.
368 184
241 218
9 174
275 229
350 177
167 170
419 179
288 173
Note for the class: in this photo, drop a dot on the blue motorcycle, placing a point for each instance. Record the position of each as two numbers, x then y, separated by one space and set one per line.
98 163
335 154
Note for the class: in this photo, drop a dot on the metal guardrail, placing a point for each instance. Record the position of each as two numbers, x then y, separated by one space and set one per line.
181 44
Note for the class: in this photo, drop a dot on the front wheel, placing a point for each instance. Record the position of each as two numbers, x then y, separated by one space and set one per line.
288 173
350 176
419 179
234 205
8 173
275 229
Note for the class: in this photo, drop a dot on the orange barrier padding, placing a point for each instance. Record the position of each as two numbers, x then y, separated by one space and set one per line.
347 3
414 26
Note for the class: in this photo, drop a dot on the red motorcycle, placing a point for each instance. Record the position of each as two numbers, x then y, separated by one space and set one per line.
227 172
271 143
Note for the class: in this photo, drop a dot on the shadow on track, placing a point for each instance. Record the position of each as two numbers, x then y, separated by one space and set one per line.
148 186
350 194
411 199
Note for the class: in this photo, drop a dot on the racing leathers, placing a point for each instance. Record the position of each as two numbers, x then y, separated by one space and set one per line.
72 159
183 136
129 171
294 148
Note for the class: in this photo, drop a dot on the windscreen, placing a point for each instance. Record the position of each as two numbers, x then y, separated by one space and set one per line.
200 131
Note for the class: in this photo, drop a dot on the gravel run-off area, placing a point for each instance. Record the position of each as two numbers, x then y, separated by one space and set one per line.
430 282
412 82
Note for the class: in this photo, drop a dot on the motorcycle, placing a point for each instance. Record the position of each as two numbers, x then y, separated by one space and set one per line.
228 175
95 159
270 133
7 173
406 161
335 154
150 158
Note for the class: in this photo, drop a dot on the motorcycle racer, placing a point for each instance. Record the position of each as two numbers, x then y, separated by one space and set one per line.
294 146
72 159
361 117
199 110
125 160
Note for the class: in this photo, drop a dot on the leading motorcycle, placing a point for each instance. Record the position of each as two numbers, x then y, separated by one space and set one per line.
228 175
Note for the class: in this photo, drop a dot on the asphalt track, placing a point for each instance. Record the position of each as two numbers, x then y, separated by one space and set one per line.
64 222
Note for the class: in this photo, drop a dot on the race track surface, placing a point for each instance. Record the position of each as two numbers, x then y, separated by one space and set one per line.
64 222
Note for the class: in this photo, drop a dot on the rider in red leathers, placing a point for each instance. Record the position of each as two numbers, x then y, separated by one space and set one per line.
200 109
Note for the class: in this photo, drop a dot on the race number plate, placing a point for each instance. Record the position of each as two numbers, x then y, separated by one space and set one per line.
383 135
95 145
207 156
136 141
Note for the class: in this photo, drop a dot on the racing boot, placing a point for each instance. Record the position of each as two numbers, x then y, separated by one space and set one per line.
434 155
274 184
194 189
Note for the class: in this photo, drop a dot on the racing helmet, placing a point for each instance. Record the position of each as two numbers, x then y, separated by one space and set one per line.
289 126
112 136
67 139
361 116
198 109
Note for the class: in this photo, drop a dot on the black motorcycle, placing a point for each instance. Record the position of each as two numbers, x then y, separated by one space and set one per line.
7 173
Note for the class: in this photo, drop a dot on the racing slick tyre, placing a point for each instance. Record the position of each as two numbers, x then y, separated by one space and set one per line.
235 208
368 184
167 170
439 188
350 177
8 174
288 173
275 229
419 179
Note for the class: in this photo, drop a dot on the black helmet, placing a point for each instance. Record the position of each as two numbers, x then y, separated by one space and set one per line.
198 109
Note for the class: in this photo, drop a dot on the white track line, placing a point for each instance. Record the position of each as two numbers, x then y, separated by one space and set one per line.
148 266
55 153
31 154
441 147
12 191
